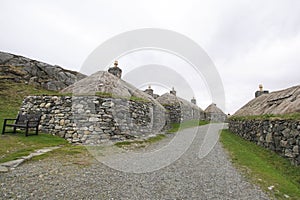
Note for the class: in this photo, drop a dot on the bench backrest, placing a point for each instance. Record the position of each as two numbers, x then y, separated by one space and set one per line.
33 119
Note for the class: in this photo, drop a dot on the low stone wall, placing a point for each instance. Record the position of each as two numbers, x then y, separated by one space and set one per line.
93 119
281 136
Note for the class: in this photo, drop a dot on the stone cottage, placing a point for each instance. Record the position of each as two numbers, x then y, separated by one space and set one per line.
215 114
179 109
276 102
99 108
103 107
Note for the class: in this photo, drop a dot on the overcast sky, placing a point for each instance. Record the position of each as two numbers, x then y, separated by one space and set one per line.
250 42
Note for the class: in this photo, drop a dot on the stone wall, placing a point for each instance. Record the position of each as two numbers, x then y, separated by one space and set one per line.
174 112
93 119
180 112
280 136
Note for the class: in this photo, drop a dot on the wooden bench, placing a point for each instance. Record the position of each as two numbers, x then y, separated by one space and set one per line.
24 121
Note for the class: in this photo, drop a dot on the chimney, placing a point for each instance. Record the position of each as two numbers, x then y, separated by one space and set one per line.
261 91
173 91
149 91
116 71
193 100
260 87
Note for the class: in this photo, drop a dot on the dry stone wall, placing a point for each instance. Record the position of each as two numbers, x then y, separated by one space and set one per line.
280 136
93 119
174 112
180 110
179 113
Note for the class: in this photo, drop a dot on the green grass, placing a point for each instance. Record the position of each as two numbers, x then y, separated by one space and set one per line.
127 143
188 124
12 95
104 94
290 116
13 146
263 167
141 142
156 138
67 152
138 99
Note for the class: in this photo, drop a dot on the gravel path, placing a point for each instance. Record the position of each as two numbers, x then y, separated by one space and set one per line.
188 177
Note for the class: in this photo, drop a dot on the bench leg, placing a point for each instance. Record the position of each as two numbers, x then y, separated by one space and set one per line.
3 129
15 128
26 132
37 130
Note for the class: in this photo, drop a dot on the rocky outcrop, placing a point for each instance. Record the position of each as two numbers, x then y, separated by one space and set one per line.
278 102
21 69
281 136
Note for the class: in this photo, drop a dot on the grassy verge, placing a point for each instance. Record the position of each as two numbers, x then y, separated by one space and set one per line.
75 154
188 124
263 167
104 94
141 143
15 146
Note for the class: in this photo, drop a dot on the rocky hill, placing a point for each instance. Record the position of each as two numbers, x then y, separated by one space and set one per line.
24 70
277 102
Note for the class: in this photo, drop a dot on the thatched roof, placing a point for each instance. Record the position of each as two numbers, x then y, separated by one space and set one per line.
170 99
105 82
212 108
278 102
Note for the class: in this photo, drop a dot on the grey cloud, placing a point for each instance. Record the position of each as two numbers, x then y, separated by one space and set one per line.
241 36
